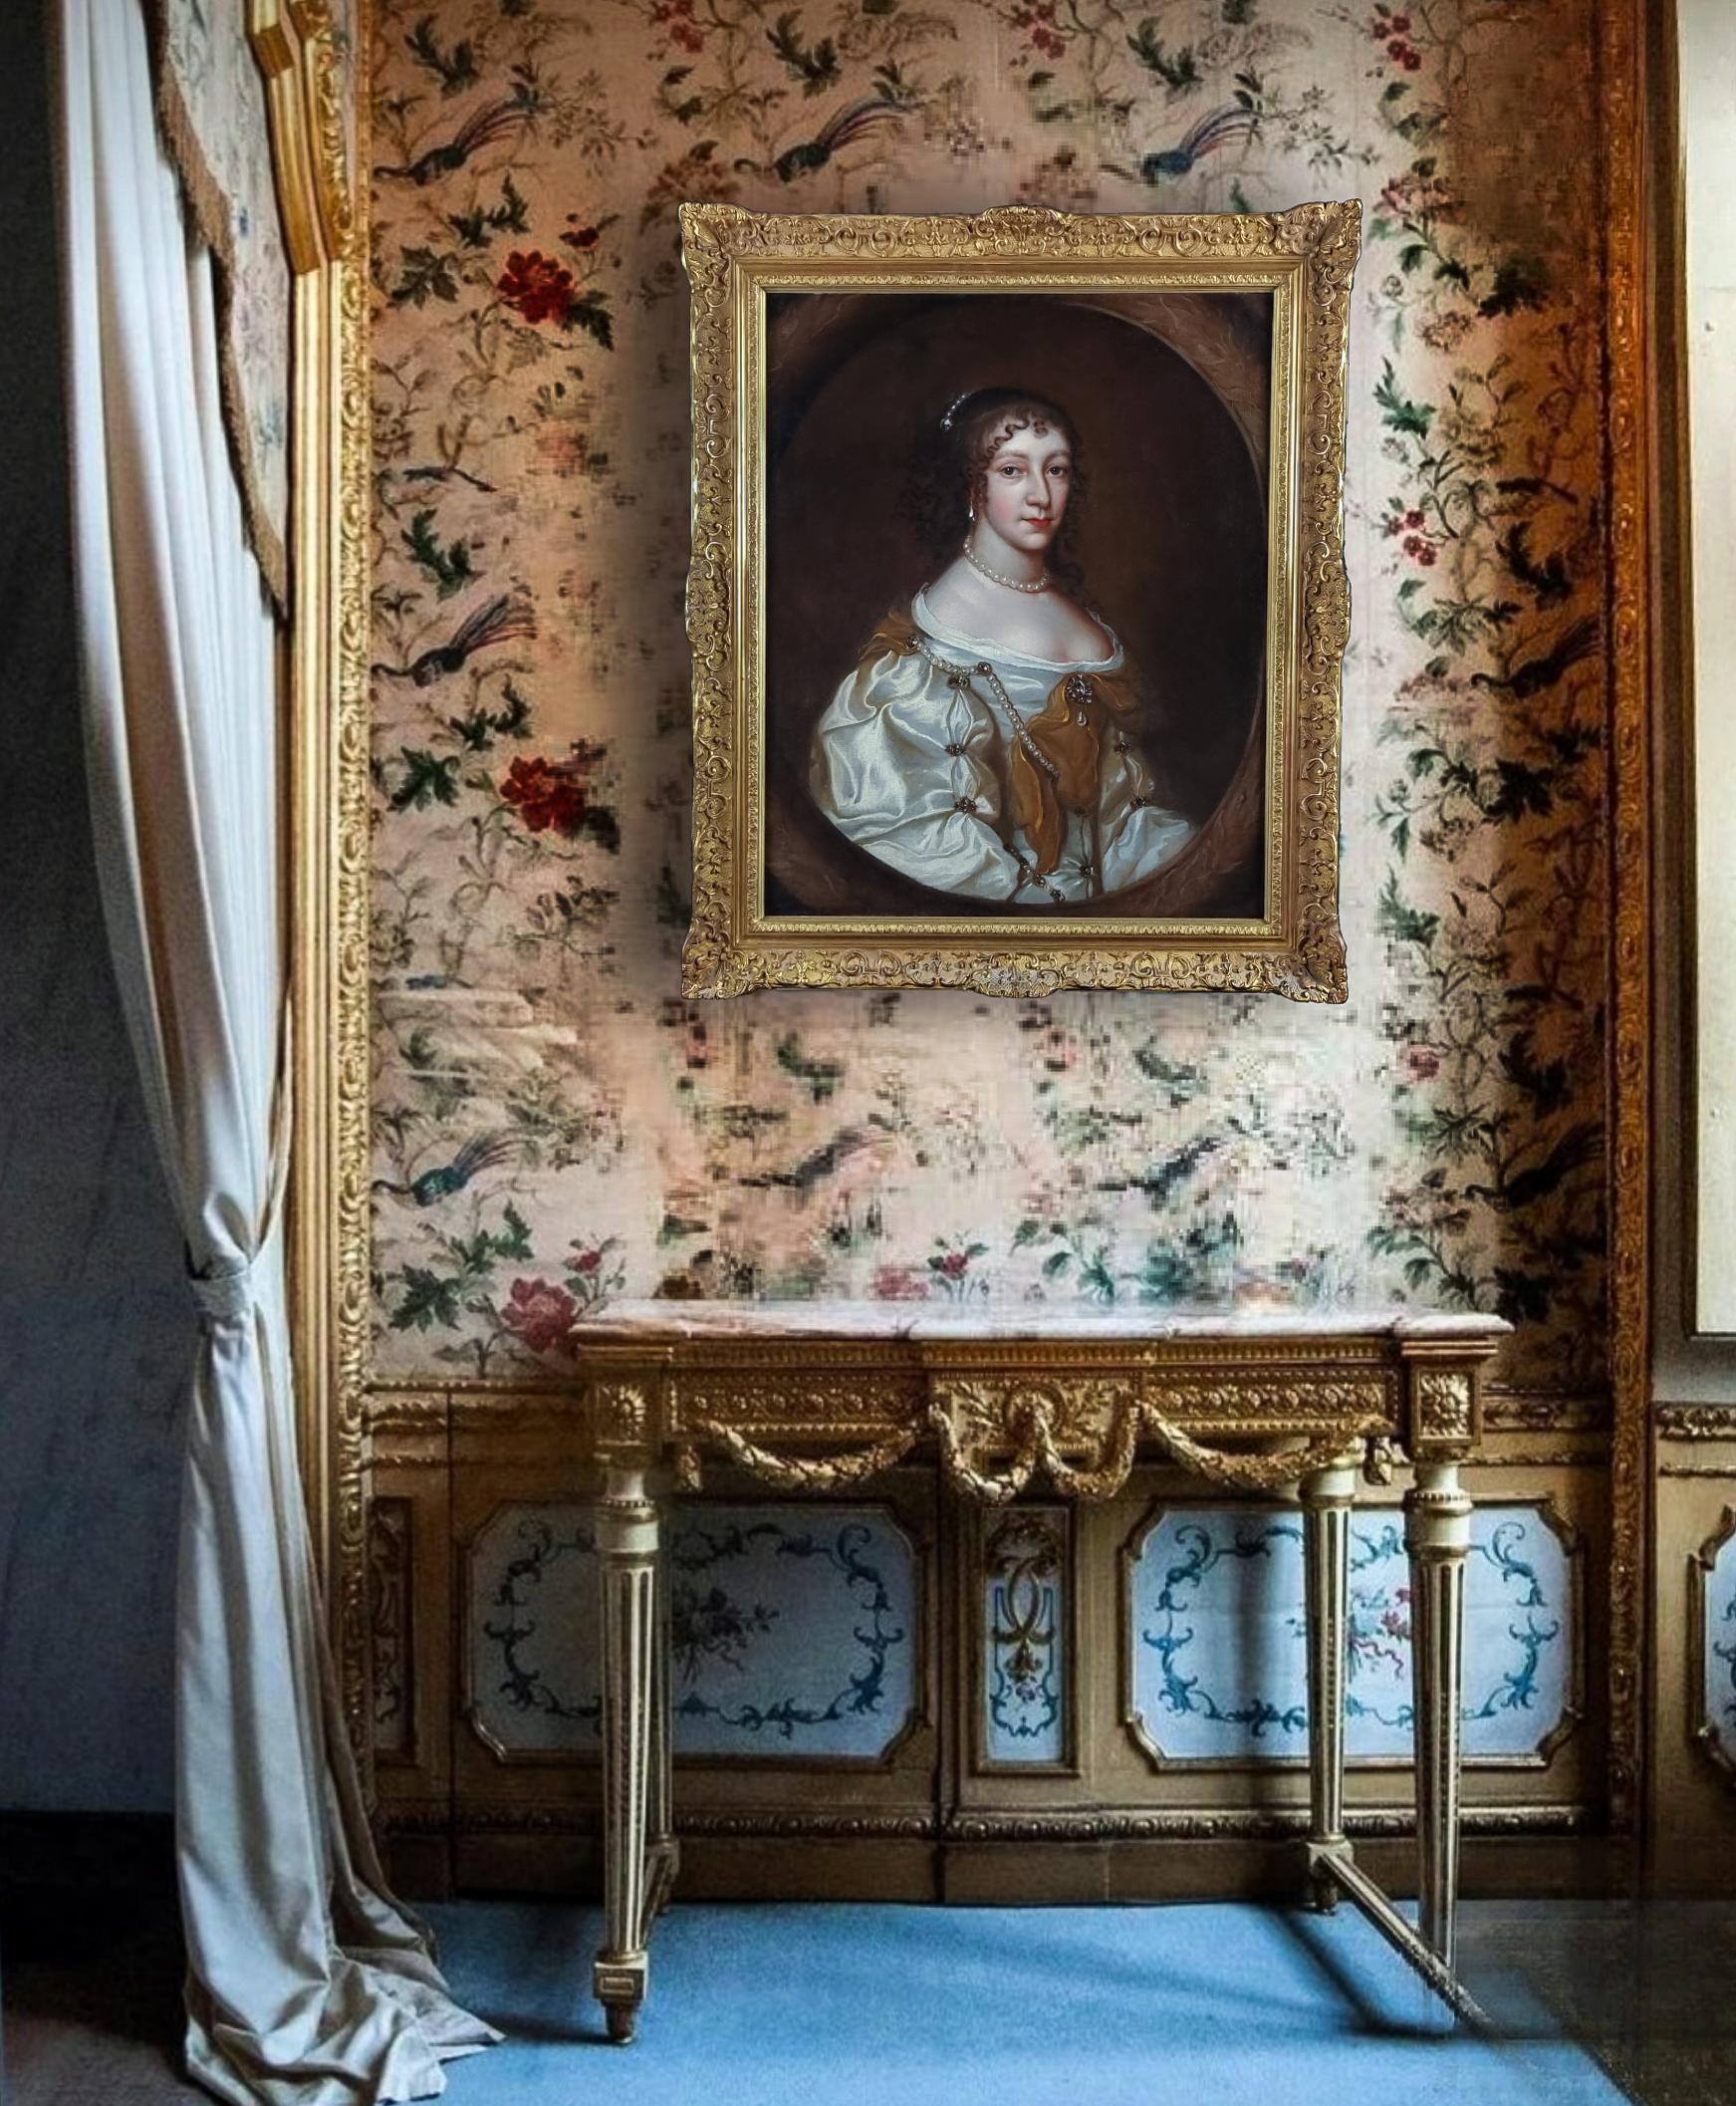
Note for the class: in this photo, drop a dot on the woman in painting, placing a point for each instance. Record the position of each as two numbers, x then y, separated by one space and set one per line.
986 744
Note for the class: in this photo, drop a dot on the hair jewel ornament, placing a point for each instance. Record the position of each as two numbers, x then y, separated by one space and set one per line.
953 409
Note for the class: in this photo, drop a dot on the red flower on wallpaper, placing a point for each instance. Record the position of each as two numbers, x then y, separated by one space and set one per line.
579 236
545 798
539 286
539 1314
553 796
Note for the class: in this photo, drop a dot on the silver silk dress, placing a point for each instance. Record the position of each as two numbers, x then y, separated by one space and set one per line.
913 767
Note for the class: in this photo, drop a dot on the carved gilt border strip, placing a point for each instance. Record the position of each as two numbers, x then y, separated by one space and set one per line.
1621 101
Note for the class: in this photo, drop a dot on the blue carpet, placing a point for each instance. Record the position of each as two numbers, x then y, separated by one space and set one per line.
827 2004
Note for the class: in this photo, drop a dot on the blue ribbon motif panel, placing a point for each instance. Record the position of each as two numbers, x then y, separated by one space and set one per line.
792 1629
1025 1647
1218 1637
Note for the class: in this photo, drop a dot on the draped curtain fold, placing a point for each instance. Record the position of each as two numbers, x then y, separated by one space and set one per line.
308 1985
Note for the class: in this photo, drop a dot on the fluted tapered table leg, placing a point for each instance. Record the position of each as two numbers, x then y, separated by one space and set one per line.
1437 1532
1327 1497
627 1535
665 1851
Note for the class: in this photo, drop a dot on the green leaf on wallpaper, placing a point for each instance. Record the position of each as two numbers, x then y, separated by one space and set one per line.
1056 1263
1400 414
1410 256
424 274
1028 1230
1397 918
1522 789
454 68
674 908
429 779
427 1299
814 65
448 567
1178 70
600 824
590 312
1519 283
821 1076
514 1239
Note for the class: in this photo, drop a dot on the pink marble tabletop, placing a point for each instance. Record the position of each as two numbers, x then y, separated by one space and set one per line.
666 1320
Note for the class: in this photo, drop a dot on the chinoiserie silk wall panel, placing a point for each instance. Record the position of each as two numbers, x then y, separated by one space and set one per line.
553 1127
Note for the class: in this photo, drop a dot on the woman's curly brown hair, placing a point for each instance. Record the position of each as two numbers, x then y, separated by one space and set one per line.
950 469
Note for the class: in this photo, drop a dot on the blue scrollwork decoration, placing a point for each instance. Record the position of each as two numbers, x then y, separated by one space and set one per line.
1221 1669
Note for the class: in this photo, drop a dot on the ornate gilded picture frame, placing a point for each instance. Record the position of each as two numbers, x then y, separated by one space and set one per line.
1018 599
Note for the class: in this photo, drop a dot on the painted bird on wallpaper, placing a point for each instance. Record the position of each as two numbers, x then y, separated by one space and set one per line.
841 129
814 1168
1579 1146
481 1152
1578 641
482 128
502 620
1234 121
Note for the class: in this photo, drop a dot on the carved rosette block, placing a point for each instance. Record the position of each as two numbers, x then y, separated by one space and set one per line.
1443 1406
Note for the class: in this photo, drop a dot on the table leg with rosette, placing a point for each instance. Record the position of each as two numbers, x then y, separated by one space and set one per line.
1327 1499
627 1535
1438 1527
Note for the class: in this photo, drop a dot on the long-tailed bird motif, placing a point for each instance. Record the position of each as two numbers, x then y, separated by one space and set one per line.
480 128
502 620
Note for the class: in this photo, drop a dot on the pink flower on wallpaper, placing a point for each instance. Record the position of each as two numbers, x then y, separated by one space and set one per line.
1423 1060
539 1314
900 1283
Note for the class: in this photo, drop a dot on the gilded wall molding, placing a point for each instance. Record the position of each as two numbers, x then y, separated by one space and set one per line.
1695 1422
1621 78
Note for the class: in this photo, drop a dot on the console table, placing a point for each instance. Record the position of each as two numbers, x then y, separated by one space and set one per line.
815 1397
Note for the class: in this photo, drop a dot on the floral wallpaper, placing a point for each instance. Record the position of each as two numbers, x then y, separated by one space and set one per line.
554 1127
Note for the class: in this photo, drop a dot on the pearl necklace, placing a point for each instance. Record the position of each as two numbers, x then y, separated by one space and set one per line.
1013 584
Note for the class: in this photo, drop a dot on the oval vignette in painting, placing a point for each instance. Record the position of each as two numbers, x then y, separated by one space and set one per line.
1170 395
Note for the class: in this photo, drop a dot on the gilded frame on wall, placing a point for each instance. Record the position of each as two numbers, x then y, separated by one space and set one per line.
785 308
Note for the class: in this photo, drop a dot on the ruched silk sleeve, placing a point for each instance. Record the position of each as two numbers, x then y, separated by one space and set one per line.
903 763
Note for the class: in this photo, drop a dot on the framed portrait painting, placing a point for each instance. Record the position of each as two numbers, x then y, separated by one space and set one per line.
1018 599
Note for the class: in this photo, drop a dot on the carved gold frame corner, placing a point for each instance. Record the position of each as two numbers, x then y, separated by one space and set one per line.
735 258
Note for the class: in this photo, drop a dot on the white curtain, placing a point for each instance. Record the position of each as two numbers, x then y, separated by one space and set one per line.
306 1981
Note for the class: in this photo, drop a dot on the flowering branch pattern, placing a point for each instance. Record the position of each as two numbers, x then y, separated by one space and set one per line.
1441 1140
